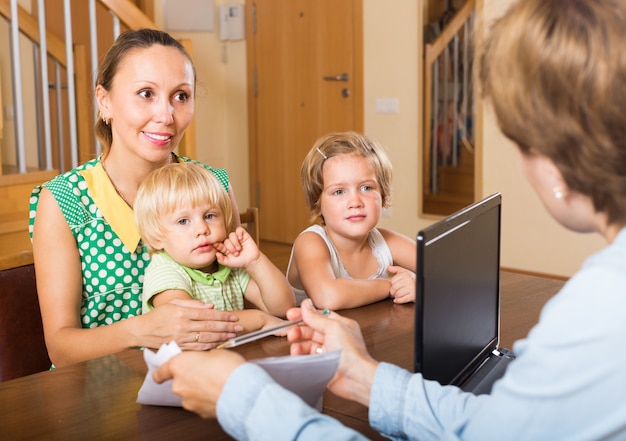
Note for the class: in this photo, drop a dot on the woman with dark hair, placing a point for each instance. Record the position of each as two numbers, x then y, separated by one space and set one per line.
88 255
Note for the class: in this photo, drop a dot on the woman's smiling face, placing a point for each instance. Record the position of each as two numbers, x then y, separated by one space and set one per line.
151 101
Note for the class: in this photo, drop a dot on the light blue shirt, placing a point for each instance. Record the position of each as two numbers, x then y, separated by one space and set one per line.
568 381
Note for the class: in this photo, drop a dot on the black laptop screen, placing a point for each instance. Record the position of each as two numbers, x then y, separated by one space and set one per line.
457 299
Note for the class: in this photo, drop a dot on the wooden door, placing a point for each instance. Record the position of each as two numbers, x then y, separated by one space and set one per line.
292 46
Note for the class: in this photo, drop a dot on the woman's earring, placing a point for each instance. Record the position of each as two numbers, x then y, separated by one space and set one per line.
559 193
105 120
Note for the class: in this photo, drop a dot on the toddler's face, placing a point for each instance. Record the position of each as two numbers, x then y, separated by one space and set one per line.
190 234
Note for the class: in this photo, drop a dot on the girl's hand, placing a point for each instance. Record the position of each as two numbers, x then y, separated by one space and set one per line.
402 284
328 331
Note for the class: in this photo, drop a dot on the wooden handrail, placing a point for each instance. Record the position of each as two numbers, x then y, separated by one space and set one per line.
448 33
30 27
129 14
131 17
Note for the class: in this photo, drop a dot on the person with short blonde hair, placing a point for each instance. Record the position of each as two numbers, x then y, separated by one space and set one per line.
184 216
169 188
344 260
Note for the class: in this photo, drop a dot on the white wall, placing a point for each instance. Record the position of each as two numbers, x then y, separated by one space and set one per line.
392 49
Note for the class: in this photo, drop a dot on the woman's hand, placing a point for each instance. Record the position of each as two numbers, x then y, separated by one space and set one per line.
326 332
199 377
193 325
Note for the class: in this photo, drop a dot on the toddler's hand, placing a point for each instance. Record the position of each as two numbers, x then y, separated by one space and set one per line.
275 321
238 250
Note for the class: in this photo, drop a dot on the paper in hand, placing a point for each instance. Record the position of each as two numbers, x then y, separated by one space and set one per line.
305 375
151 392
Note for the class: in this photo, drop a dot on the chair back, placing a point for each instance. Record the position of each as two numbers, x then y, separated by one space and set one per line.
22 345
250 221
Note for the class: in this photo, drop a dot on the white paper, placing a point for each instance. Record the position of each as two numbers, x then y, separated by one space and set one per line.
305 375
151 392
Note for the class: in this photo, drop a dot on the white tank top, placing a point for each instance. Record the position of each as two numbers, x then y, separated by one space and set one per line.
381 251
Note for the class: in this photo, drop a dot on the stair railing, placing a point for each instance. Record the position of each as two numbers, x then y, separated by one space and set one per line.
63 119
448 95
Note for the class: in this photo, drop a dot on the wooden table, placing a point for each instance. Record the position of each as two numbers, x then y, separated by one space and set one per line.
96 400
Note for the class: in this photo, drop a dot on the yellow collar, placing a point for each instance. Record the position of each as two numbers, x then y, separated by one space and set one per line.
117 213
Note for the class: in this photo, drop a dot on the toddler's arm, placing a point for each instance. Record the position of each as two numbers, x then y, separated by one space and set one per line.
268 289
167 296
254 319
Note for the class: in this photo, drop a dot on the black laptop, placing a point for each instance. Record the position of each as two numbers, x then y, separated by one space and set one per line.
458 299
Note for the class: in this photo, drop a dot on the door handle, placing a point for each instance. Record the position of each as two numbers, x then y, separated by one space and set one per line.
342 77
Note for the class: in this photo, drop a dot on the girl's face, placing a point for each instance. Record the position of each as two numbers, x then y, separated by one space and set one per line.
351 202
150 102
189 234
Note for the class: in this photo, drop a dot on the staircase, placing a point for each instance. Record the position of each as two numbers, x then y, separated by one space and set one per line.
448 144
456 186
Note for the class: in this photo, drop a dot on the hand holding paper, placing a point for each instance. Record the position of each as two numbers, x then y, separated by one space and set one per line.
151 392
306 375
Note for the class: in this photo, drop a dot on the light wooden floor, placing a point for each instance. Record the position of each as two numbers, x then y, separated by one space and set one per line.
277 252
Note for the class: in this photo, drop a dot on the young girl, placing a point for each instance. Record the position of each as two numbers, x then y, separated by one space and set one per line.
346 261
185 218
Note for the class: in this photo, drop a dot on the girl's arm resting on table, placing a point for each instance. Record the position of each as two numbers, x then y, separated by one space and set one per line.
403 286
311 260
403 249
402 273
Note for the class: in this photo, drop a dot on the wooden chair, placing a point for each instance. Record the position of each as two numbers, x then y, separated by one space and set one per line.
22 345
250 221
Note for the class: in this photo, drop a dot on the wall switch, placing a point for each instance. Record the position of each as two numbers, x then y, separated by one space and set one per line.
387 105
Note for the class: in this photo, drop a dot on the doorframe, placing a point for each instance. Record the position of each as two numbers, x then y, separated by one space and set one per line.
358 87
